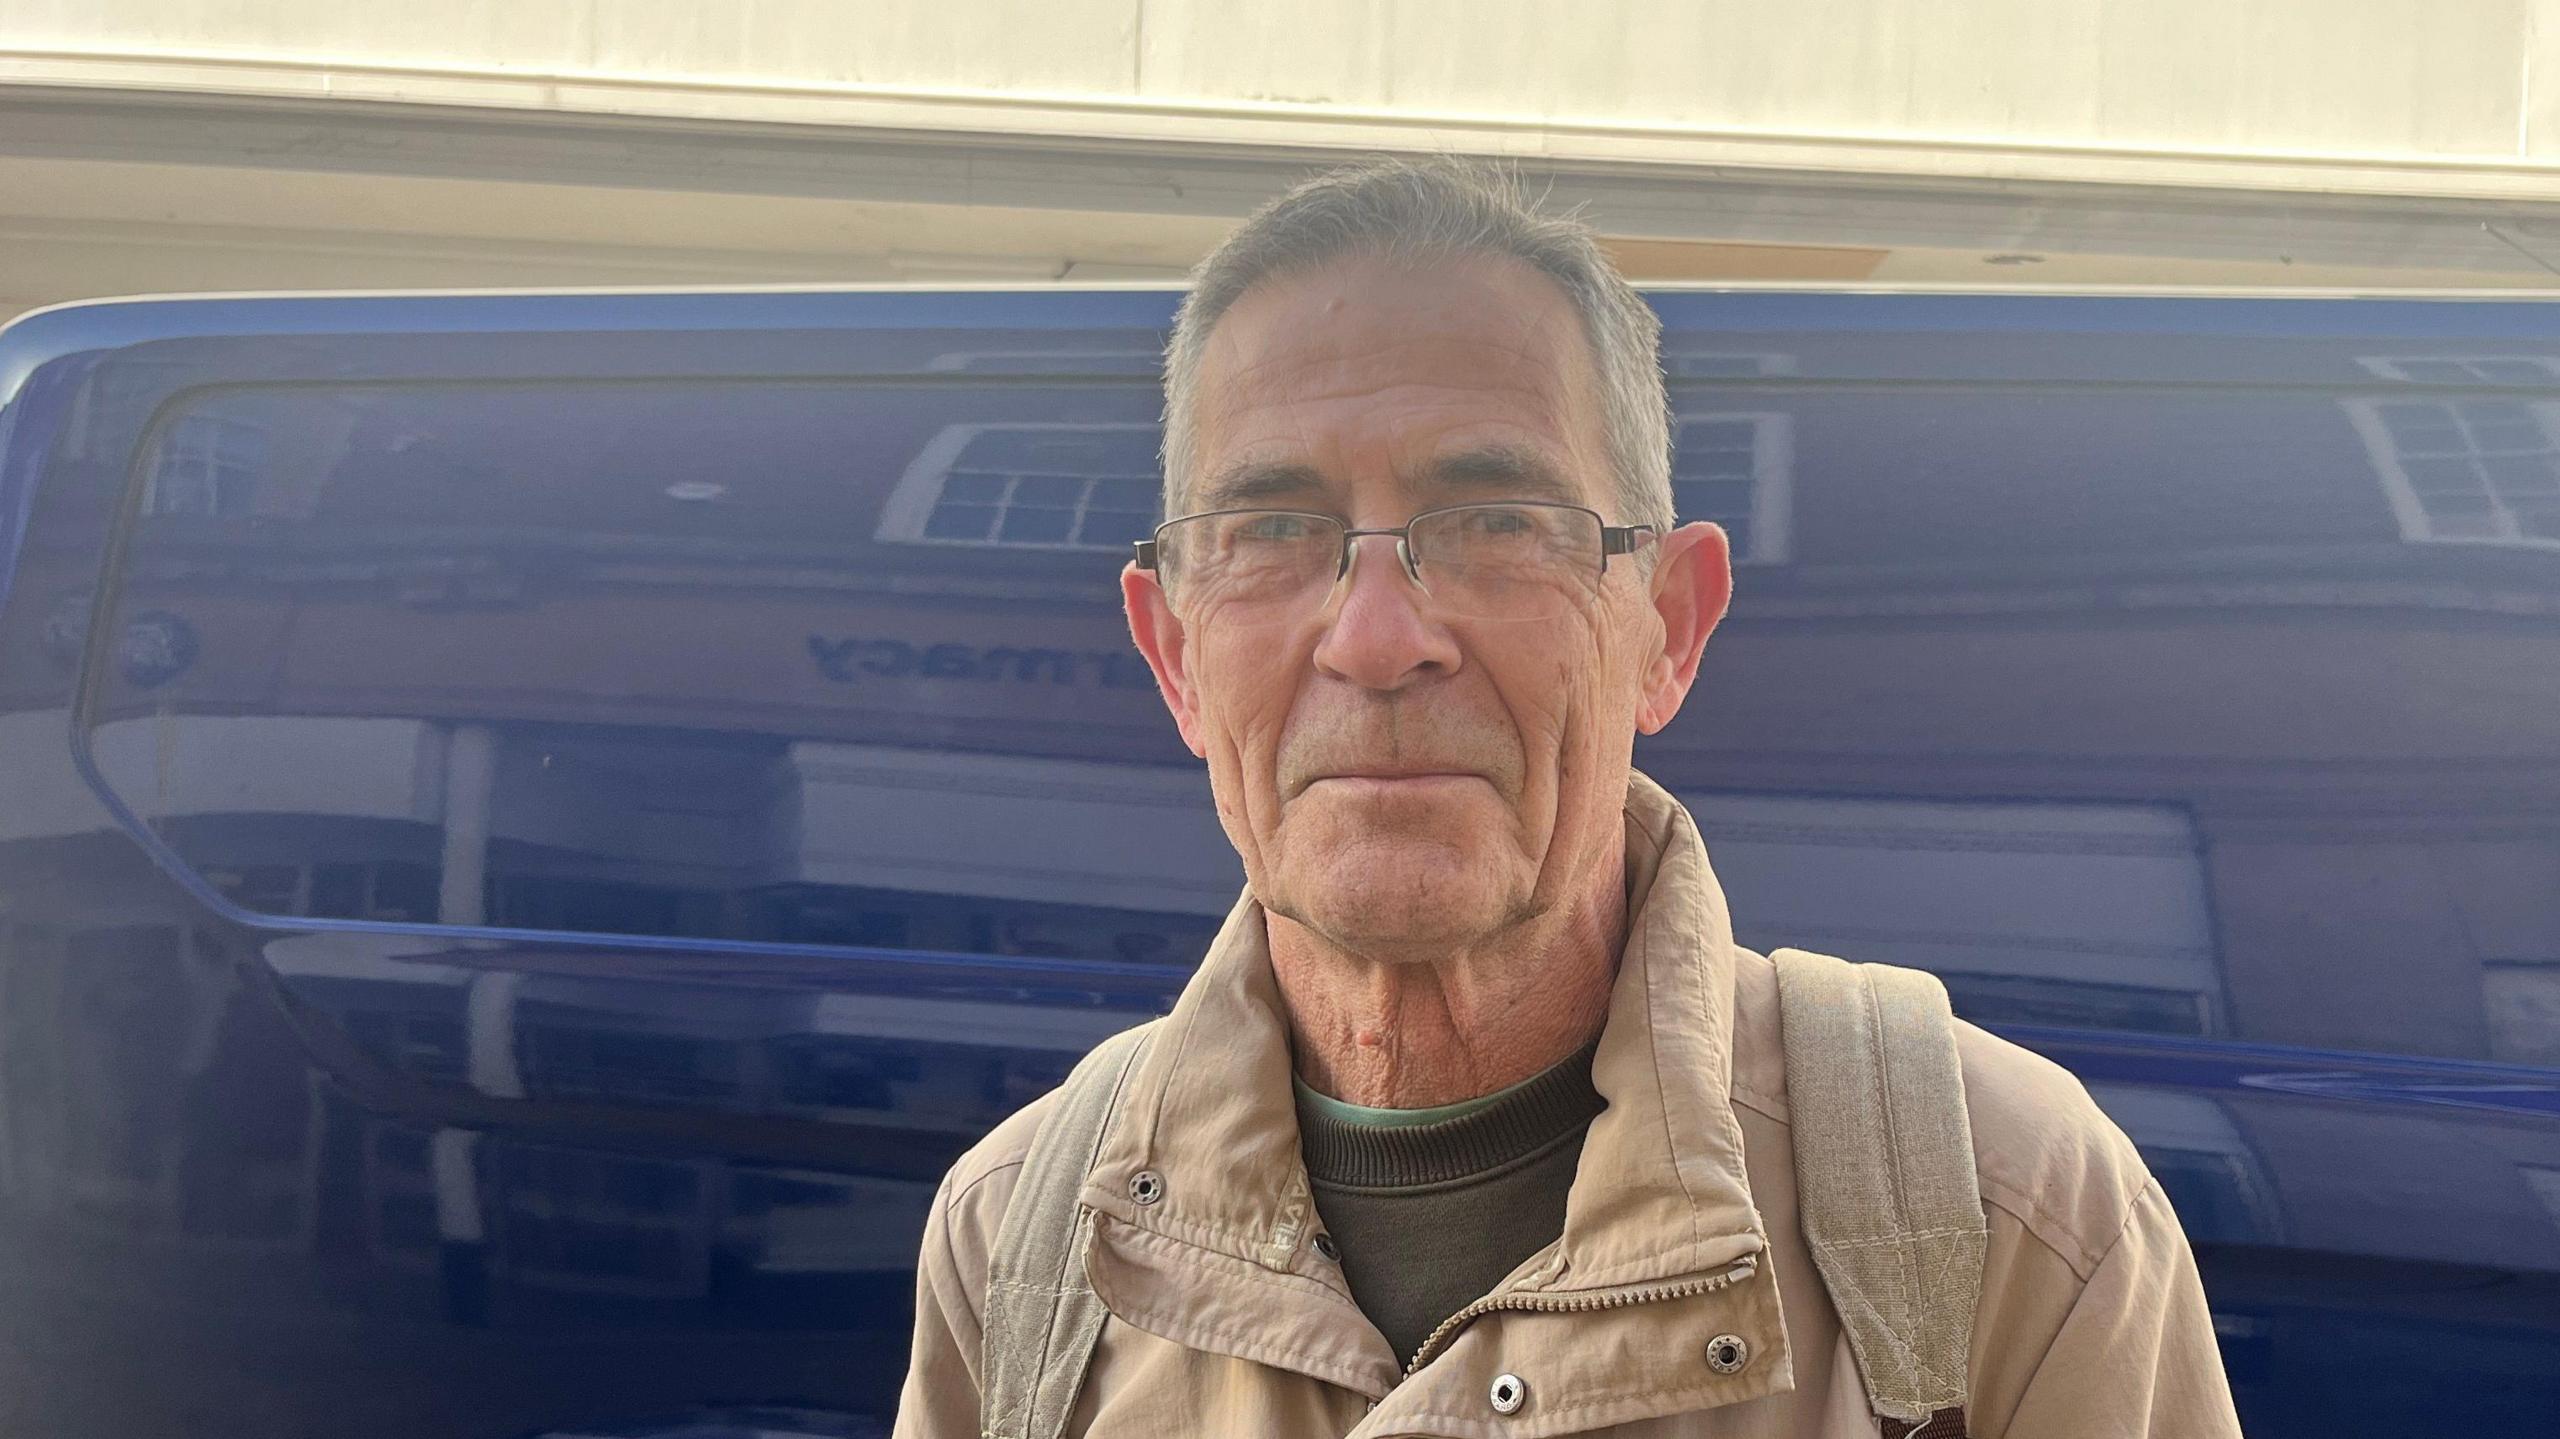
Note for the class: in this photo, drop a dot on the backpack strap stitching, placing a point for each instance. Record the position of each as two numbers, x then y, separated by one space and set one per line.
1043 1318
1890 1202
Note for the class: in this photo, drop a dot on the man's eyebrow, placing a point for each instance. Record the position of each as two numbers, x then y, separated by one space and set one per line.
1497 471
1503 471
1255 481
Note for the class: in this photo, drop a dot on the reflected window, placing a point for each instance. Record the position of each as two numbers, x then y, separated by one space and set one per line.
2471 469
2465 369
1680 363
209 466
1735 469
602 1224
1048 487
399 1196
377 890
341 890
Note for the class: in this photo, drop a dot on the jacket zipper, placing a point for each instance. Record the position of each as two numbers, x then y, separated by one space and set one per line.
1740 1270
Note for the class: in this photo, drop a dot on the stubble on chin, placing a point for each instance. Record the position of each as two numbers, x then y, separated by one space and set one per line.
1393 899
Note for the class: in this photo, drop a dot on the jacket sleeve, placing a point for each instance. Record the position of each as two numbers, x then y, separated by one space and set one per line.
2136 1356
940 1398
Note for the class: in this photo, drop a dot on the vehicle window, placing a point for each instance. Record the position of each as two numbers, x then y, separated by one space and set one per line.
2203 710
2214 709
815 663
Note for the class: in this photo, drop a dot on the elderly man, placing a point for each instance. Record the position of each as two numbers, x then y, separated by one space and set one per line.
1475 1120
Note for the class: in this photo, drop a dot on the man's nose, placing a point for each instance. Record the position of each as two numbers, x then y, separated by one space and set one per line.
1380 633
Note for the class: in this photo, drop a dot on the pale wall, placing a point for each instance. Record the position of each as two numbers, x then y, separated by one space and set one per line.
2453 97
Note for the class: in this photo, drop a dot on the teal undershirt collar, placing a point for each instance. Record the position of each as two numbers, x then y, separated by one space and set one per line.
1370 1117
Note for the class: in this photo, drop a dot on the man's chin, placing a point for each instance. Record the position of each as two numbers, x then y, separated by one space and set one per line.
1365 900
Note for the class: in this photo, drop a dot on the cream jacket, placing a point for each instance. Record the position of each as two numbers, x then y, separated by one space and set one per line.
1681 1228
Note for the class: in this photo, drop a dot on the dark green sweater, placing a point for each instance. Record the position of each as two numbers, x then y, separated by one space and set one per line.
1429 1217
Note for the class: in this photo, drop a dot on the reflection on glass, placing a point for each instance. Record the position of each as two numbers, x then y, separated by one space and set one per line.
2465 469
2119 708
623 660
120 1042
2216 1182
1055 486
2079 915
1736 469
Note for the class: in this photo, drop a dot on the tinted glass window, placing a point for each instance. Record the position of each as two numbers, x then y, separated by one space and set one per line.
820 663
2206 710
2218 710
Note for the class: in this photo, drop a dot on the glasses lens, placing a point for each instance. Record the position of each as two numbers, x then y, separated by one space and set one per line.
1509 562
1250 567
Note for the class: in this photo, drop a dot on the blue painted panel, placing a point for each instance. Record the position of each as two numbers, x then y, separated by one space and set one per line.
532 828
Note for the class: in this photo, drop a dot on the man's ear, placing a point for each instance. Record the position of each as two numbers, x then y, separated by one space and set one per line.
1692 583
1164 642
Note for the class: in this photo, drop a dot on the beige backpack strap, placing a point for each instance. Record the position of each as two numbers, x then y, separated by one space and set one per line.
1042 1318
1885 1179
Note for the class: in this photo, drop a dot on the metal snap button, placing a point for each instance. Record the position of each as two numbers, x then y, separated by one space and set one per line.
1325 1247
1146 1186
1727 1353
1510 1391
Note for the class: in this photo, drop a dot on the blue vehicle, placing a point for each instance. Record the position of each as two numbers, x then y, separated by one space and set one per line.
534 827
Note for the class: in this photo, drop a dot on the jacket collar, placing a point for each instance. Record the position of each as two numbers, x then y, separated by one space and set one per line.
1660 1191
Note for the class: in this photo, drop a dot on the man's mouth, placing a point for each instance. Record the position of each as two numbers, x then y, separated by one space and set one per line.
1392 781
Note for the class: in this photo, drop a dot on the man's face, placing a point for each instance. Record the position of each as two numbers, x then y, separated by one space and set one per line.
1400 780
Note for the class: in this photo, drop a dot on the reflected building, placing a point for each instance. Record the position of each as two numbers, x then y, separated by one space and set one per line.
840 664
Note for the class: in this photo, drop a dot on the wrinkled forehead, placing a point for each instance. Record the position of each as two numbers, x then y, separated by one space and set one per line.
1452 378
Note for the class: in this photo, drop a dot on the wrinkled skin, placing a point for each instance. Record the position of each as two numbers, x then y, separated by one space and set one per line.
1453 929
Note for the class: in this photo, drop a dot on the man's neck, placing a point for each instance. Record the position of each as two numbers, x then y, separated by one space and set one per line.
1418 1033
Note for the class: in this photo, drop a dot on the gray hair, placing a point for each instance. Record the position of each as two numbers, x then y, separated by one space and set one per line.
1419 210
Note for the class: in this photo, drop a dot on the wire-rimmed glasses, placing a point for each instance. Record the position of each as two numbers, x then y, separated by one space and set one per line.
1503 560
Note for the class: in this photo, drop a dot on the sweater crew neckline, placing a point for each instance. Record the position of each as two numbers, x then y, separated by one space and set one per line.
1345 1148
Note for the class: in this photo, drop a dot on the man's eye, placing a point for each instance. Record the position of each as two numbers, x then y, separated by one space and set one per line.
1498 522
1274 527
